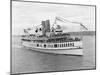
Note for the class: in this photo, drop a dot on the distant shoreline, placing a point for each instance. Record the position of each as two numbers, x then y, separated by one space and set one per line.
83 33
74 33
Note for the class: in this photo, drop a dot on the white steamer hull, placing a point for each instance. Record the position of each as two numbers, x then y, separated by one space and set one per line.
76 50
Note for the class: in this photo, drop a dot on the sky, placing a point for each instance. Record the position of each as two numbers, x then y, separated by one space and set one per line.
30 14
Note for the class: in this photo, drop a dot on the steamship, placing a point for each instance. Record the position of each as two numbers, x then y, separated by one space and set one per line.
52 40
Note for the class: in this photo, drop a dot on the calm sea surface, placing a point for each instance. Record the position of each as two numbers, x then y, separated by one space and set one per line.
24 60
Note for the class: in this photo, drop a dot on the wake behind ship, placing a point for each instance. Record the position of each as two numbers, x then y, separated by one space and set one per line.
52 39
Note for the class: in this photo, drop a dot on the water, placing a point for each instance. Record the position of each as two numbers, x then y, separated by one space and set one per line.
24 60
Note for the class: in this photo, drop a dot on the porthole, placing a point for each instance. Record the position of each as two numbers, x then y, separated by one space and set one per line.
37 45
44 45
55 45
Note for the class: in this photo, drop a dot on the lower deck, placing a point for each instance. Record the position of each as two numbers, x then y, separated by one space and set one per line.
64 45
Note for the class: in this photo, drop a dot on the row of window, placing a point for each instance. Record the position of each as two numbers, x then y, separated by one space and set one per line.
56 45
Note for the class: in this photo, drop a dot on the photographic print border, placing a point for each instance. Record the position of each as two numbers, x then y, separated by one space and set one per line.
48 3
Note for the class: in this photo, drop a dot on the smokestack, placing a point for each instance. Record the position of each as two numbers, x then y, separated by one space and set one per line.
43 28
47 25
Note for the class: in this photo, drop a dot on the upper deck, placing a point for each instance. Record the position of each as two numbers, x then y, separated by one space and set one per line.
52 39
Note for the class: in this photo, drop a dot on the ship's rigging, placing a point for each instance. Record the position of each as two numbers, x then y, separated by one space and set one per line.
57 18
61 19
